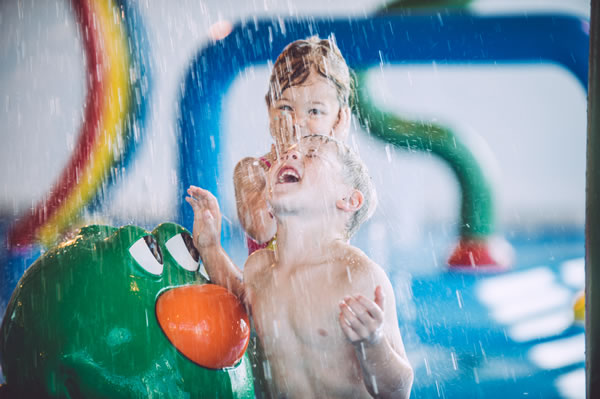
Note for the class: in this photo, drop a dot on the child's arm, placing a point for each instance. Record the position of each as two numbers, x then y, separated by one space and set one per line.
372 327
249 179
207 239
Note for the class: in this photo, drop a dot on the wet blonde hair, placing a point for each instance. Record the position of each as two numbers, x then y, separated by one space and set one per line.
356 175
301 57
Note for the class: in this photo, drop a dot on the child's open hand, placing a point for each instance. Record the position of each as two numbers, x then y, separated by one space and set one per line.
207 217
284 132
362 319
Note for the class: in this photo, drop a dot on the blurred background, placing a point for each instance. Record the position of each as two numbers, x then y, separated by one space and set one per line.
525 124
531 117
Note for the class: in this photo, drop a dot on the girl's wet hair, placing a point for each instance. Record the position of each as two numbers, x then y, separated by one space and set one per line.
299 58
356 175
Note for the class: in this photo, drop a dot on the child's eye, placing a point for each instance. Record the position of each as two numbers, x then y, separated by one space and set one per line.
315 111
284 107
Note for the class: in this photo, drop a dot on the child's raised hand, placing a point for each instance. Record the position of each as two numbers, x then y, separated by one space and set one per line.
207 217
284 132
362 319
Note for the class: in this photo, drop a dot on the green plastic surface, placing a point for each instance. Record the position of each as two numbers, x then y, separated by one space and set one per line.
82 323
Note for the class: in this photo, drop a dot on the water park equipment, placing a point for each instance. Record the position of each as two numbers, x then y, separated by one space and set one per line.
117 57
118 89
471 344
451 39
469 333
107 314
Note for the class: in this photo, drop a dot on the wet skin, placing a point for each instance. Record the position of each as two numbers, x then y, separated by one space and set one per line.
82 321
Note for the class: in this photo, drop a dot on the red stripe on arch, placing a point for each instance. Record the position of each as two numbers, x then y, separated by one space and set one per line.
24 231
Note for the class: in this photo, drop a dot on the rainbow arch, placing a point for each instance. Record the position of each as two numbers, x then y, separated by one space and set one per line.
115 46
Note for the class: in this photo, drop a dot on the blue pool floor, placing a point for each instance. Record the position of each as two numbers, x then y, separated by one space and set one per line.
486 335
500 335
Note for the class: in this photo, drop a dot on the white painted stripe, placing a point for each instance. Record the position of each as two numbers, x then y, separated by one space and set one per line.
532 303
559 353
498 290
573 273
572 385
541 327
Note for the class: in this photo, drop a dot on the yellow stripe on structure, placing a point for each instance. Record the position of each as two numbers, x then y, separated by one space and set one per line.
112 120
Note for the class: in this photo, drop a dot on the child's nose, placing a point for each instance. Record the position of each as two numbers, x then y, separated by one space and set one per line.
299 120
292 154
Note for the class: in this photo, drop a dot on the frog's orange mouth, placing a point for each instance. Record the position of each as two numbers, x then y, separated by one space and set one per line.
206 323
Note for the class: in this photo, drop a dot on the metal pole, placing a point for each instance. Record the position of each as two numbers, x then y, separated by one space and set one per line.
592 255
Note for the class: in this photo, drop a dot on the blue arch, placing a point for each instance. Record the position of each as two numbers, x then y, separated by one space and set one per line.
457 38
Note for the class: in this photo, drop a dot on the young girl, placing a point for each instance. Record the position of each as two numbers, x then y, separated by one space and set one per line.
310 92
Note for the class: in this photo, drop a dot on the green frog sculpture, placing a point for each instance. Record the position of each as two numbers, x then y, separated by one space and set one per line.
124 313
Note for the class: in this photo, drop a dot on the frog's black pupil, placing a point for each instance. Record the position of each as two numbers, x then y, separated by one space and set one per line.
154 248
189 243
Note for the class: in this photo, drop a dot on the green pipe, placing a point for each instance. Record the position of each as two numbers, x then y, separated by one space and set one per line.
477 205
406 7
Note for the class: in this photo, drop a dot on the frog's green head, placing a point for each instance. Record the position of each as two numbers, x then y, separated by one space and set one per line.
101 316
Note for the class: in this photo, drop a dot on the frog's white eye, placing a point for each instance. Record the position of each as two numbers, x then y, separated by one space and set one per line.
182 248
147 253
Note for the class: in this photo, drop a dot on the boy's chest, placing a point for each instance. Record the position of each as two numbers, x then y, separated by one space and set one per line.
300 308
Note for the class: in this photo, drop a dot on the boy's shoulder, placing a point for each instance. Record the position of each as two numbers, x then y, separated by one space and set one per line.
358 265
257 262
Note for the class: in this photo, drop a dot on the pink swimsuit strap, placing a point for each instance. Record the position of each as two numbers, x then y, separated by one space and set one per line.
265 161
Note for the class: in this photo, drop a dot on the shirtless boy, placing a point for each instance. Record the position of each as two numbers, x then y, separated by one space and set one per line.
309 298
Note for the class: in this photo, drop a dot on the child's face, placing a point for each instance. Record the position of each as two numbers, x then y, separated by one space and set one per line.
307 176
307 109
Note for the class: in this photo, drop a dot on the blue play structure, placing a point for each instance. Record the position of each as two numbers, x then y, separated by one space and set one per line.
463 337
455 39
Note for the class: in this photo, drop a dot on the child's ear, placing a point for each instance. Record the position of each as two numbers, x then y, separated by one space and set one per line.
342 126
351 203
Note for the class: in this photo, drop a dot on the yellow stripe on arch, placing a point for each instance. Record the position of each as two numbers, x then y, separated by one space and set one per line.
112 122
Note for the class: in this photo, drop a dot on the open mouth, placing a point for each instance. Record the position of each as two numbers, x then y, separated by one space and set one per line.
287 174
